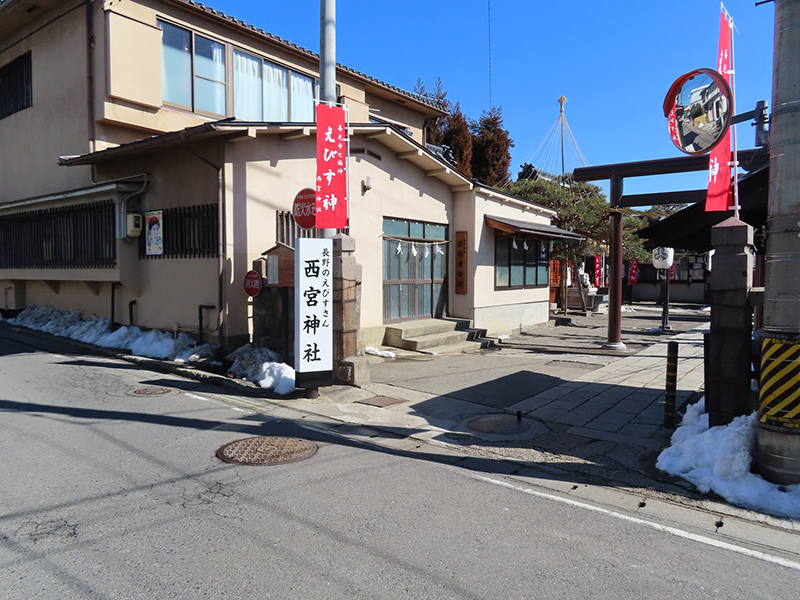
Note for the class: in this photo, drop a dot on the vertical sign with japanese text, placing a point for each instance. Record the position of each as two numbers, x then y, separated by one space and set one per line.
461 262
331 199
313 303
719 195
633 274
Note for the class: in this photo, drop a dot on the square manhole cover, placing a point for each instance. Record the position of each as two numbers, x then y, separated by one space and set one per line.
380 401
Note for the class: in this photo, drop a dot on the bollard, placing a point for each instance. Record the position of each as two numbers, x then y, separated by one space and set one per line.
672 378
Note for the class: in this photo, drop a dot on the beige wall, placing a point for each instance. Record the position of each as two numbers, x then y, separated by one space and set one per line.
57 123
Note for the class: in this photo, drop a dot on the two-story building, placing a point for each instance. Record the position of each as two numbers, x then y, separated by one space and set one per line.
113 110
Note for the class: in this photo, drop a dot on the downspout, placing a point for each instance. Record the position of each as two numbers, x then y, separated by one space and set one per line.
90 43
220 234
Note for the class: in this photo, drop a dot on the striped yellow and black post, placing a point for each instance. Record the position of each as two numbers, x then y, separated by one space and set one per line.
779 398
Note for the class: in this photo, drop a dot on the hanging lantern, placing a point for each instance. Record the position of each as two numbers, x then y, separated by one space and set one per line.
663 257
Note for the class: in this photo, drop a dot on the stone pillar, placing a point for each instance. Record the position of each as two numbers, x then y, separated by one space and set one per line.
729 354
348 367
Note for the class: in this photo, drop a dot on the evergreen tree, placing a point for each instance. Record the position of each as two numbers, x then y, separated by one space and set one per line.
458 138
491 144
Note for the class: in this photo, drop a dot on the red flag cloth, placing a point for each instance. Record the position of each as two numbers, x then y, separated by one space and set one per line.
633 274
598 271
719 196
331 200
673 273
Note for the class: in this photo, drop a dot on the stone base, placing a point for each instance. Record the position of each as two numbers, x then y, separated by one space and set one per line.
353 370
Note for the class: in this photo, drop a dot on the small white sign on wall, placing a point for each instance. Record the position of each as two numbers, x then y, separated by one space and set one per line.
313 301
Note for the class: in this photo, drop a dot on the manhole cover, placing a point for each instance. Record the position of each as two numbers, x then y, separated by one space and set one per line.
499 425
152 391
266 450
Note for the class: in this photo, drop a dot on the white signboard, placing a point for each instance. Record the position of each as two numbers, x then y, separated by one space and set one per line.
313 302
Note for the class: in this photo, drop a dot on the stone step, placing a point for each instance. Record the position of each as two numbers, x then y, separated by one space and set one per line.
459 348
397 332
432 340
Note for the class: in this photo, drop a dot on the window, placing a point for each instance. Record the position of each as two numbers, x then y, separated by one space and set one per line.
264 91
193 70
80 236
189 232
16 91
523 266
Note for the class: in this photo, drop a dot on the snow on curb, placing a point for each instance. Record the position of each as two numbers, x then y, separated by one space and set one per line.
718 460
259 365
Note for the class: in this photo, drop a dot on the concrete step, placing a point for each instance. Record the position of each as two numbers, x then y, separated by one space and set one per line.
395 334
459 348
432 340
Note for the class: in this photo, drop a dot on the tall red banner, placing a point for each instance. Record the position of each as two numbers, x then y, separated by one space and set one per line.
331 200
719 195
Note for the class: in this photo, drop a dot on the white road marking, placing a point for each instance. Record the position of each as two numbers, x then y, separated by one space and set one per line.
657 526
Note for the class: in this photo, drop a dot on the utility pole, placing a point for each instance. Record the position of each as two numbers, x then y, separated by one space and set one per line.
327 62
778 455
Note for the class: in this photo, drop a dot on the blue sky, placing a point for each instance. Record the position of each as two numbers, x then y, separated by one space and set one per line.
613 61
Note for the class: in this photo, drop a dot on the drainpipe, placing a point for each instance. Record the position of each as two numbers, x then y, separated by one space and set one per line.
220 235
90 42
114 287
131 304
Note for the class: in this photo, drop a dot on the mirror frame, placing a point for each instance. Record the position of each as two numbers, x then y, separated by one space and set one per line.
725 89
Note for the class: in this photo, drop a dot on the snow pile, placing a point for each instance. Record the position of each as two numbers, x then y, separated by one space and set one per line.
95 331
718 460
259 365
503 337
627 309
262 366
378 352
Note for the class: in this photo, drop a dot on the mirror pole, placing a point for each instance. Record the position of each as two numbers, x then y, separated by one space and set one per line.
615 284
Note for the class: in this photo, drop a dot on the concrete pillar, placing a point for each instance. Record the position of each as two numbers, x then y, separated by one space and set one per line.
348 367
728 366
778 456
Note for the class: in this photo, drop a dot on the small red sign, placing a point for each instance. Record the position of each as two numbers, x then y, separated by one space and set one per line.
304 208
252 283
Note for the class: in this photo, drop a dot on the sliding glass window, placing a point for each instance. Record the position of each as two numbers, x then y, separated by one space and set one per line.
193 70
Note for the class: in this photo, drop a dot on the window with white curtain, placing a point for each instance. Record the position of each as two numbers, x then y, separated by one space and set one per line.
247 96
265 91
276 93
194 76
302 98
209 75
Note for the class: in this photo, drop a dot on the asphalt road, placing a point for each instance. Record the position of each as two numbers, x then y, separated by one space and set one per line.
104 494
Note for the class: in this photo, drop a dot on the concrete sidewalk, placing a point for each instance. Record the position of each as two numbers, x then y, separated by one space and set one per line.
605 424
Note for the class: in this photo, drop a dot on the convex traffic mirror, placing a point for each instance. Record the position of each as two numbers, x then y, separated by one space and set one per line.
698 108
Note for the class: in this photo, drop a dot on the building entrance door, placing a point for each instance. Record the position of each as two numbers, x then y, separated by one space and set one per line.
414 269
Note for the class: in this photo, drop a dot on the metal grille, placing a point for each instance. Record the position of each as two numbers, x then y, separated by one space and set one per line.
79 236
189 232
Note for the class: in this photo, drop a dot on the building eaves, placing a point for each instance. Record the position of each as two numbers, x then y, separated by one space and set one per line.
238 22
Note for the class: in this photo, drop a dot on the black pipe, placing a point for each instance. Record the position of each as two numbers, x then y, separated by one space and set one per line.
200 318
672 379
114 287
130 311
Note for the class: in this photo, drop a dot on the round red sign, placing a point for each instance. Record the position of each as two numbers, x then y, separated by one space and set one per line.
304 208
252 283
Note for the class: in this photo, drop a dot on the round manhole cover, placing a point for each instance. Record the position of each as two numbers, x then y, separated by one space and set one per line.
499 425
152 391
266 450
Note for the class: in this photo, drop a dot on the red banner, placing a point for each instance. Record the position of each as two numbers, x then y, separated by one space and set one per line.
598 271
719 195
633 274
673 273
331 199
